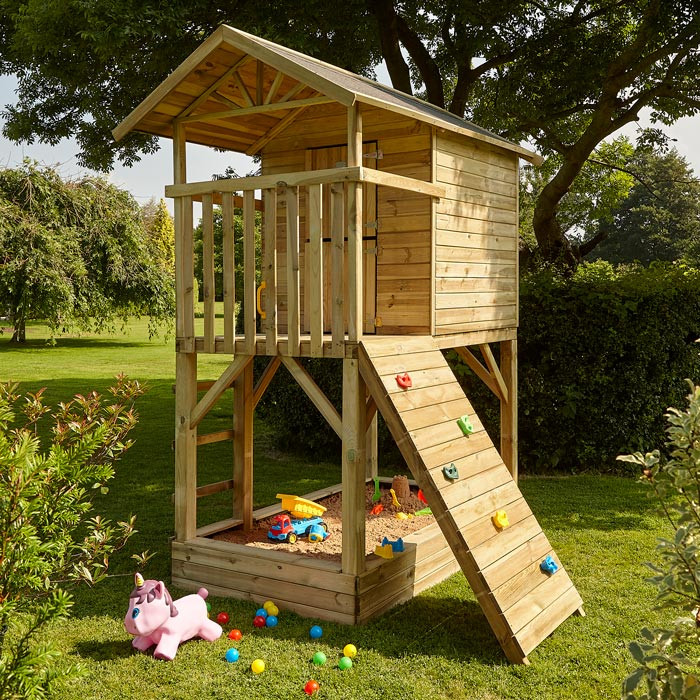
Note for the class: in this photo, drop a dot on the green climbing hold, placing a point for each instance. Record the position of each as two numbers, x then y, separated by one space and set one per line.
465 425
451 472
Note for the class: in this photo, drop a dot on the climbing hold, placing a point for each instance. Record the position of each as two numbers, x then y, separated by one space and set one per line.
500 519
451 472
376 509
395 500
548 565
404 381
465 425
385 551
396 546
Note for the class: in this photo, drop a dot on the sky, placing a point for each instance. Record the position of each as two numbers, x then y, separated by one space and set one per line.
148 178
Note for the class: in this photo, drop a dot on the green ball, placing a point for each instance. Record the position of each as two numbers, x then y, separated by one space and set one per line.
345 663
319 658
208 607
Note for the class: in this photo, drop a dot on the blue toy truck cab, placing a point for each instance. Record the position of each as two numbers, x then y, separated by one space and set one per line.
285 529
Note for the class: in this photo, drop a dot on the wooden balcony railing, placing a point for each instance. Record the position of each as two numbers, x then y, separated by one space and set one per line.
345 187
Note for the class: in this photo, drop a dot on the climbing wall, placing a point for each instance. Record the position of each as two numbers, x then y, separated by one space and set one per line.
466 484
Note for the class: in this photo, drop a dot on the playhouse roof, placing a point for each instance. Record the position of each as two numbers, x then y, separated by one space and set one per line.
253 88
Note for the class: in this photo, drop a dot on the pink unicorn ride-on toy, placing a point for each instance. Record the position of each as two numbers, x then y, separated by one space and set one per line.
155 618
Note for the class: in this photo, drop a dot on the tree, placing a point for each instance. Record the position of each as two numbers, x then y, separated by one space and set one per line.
160 233
660 218
75 253
563 75
51 538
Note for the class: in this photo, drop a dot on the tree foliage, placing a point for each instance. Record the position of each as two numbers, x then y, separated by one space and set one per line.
50 536
669 659
660 218
75 253
160 233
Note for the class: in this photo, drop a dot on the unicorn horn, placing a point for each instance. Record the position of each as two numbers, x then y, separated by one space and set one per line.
138 580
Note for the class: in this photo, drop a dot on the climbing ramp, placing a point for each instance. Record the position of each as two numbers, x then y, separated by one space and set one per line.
522 603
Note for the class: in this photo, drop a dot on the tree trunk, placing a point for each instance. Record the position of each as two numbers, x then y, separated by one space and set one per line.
19 334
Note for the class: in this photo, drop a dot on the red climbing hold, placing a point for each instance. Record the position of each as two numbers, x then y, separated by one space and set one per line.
404 381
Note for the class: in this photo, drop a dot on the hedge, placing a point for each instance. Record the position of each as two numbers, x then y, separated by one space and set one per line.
601 353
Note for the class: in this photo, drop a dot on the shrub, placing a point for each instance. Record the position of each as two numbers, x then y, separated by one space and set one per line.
667 668
50 536
601 354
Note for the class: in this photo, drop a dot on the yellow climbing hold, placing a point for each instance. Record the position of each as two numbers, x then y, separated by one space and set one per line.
500 519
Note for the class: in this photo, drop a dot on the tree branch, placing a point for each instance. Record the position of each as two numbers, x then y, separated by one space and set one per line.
385 15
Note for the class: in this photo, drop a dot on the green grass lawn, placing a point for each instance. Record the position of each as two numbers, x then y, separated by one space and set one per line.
436 646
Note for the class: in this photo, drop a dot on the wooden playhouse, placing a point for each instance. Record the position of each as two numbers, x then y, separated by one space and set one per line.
390 233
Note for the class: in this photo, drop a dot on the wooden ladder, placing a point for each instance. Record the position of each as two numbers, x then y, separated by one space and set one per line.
522 603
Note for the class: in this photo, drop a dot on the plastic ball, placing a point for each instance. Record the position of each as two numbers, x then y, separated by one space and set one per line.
235 635
273 610
208 607
350 650
319 658
267 604
222 618
311 687
259 621
271 621
345 663
232 655
261 612
258 666
316 632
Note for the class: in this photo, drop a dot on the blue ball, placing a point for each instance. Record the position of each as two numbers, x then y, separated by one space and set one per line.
232 655
271 621
261 612
315 632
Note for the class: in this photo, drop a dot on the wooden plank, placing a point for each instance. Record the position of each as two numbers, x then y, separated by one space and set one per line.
249 265
229 262
355 263
270 270
475 284
218 526
293 286
509 406
475 269
521 583
243 446
337 267
265 379
274 131
274 87
315 229
218 436
353 469
185 446
495 371
478 369
427 396
451 254
379 177
428 416
220 385
507 541
317 397
208 284
446 317
216 487
464 490
391 365
469 463
475 300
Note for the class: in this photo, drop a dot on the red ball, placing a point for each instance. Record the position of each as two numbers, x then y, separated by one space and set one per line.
259 621
235 635
311 687
222 618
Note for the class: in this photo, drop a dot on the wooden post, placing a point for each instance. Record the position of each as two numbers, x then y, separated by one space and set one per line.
229 280
249 300
293 286
243 405
355 284
337 270
509 409
208 279
354 426
270 270
315 290
186 359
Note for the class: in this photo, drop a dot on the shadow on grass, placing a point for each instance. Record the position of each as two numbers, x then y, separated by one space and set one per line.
34 344
105 651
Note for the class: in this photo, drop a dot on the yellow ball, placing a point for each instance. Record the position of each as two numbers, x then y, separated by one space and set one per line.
258 666
350 650
267 604
273 610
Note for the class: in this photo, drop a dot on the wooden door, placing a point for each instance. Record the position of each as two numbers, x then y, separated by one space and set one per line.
321 159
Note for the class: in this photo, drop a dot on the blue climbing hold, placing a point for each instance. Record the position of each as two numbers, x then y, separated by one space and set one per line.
549 566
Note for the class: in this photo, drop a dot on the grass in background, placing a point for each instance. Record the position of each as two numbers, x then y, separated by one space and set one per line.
436 646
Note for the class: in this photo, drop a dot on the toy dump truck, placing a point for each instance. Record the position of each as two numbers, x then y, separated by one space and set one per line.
287 529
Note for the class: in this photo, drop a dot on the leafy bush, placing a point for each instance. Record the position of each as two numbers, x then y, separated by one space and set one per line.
50 537
601 355
669 659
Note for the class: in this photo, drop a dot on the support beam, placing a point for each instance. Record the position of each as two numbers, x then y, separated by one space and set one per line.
272 92
265 379
243 447
243 89
354 421
478 369
371 443
318 398
220 385
256 109
218 436
495 371
281 125
185 447
509 408
270 269
355 283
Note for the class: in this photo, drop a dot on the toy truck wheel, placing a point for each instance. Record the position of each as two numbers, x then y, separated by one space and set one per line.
291 538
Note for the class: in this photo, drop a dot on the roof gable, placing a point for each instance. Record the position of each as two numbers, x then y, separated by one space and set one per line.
237 91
